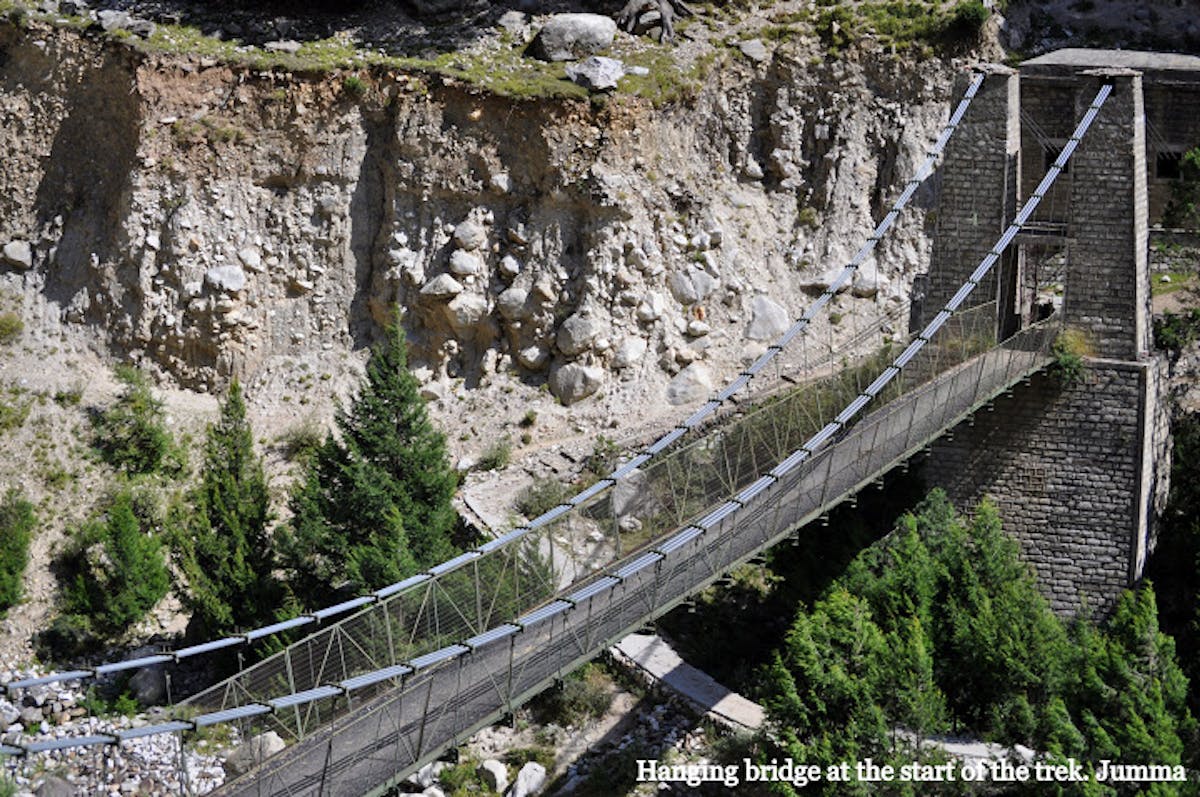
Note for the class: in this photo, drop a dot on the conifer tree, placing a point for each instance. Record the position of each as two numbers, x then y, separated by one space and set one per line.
116 571
374 504
223 546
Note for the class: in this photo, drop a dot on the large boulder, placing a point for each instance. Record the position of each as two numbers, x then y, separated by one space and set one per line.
633 496
768 319
493 774
52 786
19 254
690 386
470 235
576 334
465 312
529 780
572 382
149 685
250 752
568 37
511 303
464 263
629 351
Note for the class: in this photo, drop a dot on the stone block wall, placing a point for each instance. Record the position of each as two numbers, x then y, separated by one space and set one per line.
1078 471
1108 285
1065 465
978 188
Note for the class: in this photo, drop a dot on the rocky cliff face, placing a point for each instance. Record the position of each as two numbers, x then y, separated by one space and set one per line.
210 221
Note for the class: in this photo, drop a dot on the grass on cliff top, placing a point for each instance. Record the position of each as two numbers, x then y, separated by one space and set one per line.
500 68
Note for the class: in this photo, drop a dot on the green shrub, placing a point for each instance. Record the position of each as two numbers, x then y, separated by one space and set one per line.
301 441
14 410
11 327
1069 350
1175 331
112 572
584 694
541 496
966 20
354 86
1183 210
131 435
496 456
69 636
17 522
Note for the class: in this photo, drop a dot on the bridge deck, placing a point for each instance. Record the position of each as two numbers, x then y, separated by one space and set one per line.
390 736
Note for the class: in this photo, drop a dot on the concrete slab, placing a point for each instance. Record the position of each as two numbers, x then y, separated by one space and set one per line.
659 660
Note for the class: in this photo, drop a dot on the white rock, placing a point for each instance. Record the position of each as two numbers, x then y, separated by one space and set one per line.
866 282
427 775
572 382
510 266
470 235
768 319
153 241
534 357
596 73
230 279
19 254
819 283
629 351
441 286
754 49
251 752
697 328
464 263
493 774
690 386
576 334
651 308
529 780
250 258
501 182
634 495
691 285
511 303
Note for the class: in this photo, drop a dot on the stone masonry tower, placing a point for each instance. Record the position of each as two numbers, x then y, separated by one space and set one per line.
1073 466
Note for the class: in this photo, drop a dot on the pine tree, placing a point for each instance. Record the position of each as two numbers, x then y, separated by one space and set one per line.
374 504
223 545
116 572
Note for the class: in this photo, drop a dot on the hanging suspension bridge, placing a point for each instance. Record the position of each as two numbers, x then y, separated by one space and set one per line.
390 680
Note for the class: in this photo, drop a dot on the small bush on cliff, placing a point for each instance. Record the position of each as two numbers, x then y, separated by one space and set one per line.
16 531
222 540
374 503
11 327
131 435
